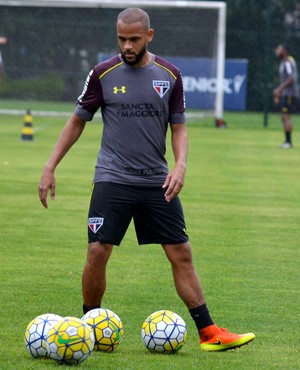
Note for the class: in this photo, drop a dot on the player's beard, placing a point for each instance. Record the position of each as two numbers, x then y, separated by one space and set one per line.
138 57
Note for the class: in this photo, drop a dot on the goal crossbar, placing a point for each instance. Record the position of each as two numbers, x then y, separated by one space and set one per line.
115 4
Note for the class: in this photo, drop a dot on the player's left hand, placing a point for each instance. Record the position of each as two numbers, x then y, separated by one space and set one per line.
174 182
47 183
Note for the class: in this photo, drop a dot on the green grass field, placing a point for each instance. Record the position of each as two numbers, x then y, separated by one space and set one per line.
241 201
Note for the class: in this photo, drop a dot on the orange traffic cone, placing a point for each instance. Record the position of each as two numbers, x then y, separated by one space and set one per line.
27 130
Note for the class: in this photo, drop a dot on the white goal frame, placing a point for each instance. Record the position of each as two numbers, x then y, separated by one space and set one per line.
220 6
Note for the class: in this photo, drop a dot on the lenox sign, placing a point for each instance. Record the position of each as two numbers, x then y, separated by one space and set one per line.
209 85
200 87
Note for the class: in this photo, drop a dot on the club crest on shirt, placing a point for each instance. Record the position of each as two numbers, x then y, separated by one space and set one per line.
95 223
161 87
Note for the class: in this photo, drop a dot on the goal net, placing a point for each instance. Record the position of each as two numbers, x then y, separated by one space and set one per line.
52 45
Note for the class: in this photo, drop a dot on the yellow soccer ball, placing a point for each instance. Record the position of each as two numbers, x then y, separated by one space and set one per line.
107 327
70 341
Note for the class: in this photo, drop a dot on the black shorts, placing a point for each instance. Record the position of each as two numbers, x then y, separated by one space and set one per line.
289 104
156 221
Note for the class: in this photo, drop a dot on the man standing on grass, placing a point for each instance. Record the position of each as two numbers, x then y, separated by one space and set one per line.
287 92
139 94
3 41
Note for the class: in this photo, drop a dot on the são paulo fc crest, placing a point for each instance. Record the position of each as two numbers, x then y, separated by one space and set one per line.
161 87
95 223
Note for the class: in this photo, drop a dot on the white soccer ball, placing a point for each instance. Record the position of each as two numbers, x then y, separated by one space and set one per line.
36 334
107 327
164 332
70 341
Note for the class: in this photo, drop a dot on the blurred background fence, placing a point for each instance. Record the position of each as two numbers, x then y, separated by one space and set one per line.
50 50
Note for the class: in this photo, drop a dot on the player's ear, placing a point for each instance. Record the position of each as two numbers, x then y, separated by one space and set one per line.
150 34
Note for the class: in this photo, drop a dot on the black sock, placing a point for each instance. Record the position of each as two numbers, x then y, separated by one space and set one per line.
201 316
87 308
288 137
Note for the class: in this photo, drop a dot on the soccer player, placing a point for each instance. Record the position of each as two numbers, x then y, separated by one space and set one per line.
3 41
139 95
287 92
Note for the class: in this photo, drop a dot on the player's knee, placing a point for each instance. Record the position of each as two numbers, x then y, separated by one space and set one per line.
179 254
98 252
186 255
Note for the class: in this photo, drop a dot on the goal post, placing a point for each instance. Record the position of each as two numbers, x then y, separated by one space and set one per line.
195 30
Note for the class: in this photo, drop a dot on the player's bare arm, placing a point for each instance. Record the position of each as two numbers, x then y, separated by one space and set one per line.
69 135
175 179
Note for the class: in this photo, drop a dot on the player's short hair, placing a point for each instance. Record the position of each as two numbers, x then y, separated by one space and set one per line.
286 47
133 15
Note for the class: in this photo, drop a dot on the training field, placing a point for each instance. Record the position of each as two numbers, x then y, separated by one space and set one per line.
241 200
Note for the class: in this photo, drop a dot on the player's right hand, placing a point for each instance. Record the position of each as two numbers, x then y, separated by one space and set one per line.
47 183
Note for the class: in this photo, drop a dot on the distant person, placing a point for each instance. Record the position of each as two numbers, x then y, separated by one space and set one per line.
287 93
140 95
3 40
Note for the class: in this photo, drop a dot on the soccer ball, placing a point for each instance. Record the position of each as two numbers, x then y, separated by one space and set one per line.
70 341
107 328
164 332
36 334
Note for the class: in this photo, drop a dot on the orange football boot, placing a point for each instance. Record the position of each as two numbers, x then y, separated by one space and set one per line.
213 338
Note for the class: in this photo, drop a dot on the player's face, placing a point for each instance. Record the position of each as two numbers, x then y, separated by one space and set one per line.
133 40
279 52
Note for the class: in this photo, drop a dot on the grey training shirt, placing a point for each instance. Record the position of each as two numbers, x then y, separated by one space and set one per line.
136 104
288 68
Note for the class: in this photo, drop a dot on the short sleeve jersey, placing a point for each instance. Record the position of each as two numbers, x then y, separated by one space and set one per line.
288 68
137 104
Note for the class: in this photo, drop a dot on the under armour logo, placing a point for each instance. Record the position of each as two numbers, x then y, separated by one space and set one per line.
121 90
